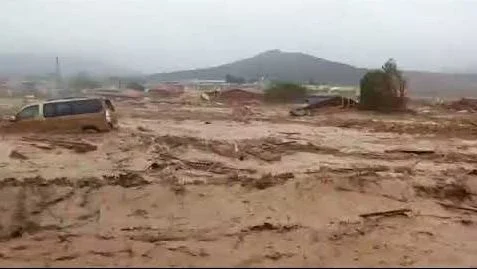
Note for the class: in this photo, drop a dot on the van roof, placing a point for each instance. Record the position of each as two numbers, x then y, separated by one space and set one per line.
70 99
49 101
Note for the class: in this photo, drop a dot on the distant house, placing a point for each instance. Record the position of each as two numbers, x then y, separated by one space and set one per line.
345 91
206 82
28 88
240 95
115 94
166 90
4 90
317 102
204 85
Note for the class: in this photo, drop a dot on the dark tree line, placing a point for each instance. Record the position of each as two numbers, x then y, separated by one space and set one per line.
233 79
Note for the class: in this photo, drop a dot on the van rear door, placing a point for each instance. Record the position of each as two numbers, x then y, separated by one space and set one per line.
111 112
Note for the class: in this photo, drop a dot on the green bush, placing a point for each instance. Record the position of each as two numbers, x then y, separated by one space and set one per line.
384 89
284 93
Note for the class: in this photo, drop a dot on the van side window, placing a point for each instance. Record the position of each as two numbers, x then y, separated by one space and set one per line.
29 112
56 109
49 110
63 109
72 108
87 106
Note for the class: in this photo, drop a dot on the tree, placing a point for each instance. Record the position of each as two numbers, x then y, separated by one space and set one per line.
284 93
395 78
383 89
232 79
83 81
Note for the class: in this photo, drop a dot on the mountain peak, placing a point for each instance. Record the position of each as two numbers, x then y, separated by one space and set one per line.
271 52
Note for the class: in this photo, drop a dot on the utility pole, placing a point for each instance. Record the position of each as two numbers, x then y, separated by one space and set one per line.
58 74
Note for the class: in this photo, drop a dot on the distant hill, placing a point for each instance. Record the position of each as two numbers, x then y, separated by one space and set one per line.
427 84
300 67
275 65
38 64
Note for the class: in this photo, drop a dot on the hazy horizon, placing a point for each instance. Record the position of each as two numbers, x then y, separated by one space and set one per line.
158 35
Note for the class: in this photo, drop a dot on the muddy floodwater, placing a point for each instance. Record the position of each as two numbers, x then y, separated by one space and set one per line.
212 185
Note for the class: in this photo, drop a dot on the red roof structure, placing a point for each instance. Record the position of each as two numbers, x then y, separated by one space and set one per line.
167 90
240 96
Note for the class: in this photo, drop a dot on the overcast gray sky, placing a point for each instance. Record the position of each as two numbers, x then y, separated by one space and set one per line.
164 35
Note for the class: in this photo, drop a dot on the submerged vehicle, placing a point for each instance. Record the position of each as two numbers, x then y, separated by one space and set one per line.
81 114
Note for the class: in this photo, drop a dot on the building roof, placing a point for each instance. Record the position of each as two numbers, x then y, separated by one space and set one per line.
248 89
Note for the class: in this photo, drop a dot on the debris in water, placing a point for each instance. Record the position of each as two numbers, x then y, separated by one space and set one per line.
78 147
466 208
17 155
411 151
42 146
267 180
388 213
143 129
126 180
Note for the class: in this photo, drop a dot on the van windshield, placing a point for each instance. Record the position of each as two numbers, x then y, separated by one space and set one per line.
29 112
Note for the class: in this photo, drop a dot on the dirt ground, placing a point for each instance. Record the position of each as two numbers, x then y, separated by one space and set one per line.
198 185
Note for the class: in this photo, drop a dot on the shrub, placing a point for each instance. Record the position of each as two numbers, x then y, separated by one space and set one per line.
284 93
233 79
